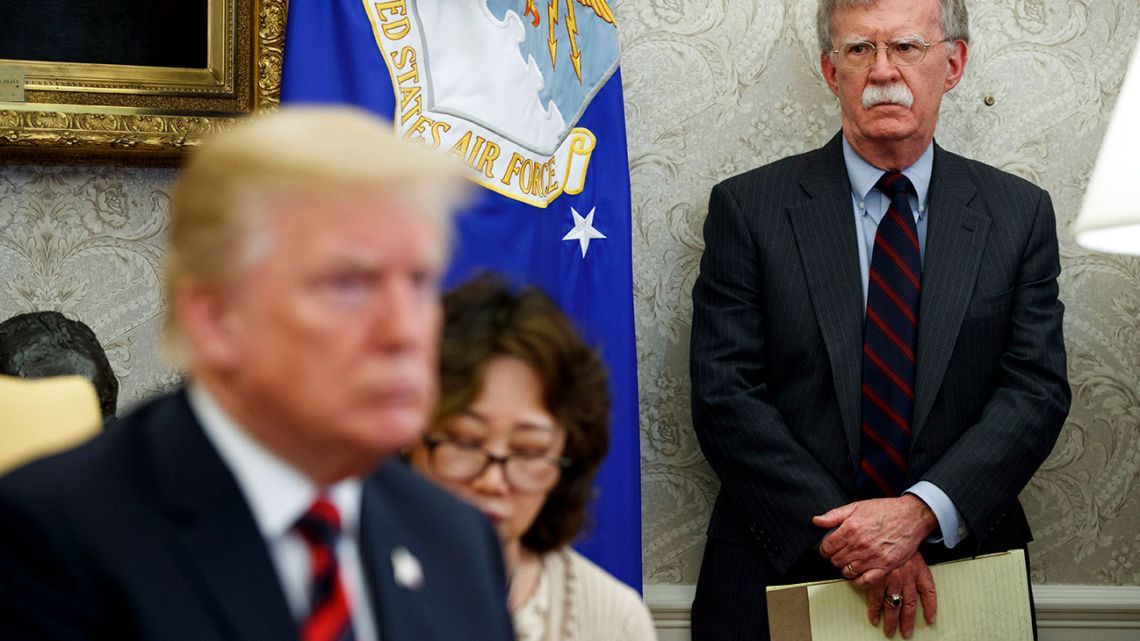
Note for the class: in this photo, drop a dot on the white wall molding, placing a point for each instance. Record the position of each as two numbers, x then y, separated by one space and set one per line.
1087 606
1075 612
669 605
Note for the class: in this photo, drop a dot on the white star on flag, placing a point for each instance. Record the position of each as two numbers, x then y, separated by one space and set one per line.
583 231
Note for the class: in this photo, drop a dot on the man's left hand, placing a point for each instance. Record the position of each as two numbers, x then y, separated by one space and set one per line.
872 538
909 584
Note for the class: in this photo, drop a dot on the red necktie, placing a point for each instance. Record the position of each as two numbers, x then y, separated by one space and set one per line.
328 618
889 338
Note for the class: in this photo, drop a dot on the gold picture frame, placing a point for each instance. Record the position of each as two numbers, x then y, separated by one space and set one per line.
144 115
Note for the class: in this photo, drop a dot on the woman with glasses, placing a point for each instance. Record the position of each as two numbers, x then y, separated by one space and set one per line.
520 430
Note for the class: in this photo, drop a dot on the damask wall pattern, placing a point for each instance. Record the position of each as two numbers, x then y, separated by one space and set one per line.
713 88
88 242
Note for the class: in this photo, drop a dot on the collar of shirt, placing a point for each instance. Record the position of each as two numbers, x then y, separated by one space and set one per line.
277 493
863 176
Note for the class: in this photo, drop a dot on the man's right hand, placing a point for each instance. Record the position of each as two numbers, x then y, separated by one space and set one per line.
874 537
914 582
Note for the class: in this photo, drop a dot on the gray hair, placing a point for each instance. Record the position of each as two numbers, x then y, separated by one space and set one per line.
952 19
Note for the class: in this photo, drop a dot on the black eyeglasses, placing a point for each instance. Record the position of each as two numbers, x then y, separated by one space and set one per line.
463 462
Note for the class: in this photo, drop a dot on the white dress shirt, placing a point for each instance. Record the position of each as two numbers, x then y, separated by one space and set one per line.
278 495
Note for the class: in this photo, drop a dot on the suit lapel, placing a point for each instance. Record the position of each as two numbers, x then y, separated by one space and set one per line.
955 242
216 536
396 607
824 228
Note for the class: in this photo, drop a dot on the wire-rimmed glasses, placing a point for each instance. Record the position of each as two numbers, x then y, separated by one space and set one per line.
904 52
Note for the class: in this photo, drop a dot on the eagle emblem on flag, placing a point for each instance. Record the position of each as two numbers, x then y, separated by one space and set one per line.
490 83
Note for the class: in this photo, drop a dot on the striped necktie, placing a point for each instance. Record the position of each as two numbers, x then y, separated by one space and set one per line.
328 618
889 339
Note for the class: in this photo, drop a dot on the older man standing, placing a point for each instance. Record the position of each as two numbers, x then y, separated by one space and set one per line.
262 501
877 359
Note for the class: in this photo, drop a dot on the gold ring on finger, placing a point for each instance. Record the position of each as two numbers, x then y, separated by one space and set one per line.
894 600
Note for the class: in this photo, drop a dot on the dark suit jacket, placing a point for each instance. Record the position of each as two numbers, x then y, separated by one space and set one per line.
777 350
143 533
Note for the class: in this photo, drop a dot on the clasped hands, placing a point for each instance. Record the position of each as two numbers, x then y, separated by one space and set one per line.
875 544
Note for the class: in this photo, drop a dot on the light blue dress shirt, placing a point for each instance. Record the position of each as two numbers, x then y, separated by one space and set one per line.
870 205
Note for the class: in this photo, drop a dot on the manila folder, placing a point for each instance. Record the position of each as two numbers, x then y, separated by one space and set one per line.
978 599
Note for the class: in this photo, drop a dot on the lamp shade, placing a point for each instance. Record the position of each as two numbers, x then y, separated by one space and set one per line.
1110 214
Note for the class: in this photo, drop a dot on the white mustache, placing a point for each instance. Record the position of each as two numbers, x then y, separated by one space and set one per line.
893 94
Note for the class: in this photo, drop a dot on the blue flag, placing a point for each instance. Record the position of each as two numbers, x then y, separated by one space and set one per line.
528 95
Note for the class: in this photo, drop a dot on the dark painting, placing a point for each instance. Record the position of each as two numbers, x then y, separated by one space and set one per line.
155 33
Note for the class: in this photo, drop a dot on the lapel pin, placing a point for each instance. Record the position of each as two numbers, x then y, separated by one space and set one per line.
406 569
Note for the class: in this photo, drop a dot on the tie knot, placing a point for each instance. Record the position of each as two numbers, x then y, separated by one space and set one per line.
320 523
892 183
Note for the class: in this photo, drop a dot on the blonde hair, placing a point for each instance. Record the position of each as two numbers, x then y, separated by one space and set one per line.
316 153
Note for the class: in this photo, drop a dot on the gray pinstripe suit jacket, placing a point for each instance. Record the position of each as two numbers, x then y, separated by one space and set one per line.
777 346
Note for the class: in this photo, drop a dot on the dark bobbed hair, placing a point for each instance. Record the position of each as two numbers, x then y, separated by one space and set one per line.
484 319
43 344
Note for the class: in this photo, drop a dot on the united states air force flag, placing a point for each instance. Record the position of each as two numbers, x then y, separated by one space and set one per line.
527 95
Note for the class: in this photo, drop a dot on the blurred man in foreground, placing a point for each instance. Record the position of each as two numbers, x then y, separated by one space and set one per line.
261 502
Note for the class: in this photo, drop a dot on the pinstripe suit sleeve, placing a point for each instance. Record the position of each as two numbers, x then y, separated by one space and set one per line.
991 461
772 482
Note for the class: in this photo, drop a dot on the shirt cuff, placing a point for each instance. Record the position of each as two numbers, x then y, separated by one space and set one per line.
950 522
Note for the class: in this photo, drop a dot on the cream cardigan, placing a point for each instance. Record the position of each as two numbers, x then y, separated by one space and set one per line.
576 600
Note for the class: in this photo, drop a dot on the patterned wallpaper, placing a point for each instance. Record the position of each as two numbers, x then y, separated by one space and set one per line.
88 242
715 87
